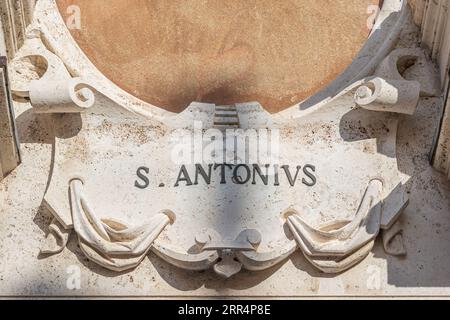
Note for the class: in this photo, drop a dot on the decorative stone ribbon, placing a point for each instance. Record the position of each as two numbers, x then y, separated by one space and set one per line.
337 246
51 88
110 243
71 95
398 96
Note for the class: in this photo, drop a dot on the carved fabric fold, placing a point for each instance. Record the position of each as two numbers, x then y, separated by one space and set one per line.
330 265
340 239
108 242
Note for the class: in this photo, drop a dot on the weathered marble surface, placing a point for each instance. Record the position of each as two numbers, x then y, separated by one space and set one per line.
426 224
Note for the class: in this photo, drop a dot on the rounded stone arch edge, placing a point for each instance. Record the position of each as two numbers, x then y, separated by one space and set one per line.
382 39
59 40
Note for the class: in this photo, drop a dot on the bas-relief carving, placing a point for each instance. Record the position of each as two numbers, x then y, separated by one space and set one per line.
100 141
15 16
109 242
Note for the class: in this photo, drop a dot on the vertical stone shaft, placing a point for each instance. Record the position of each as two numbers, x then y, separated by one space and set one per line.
9 151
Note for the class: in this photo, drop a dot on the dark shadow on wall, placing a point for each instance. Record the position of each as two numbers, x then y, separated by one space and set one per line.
426 220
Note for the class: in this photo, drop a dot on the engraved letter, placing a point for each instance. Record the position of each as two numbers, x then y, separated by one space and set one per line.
200 171
222 167
289 176
141 174
257 171
183 176
237 179
309 174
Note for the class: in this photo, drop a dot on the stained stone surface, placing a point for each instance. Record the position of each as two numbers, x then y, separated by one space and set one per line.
274 52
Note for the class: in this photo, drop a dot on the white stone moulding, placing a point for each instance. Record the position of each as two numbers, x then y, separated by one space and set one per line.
103 135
